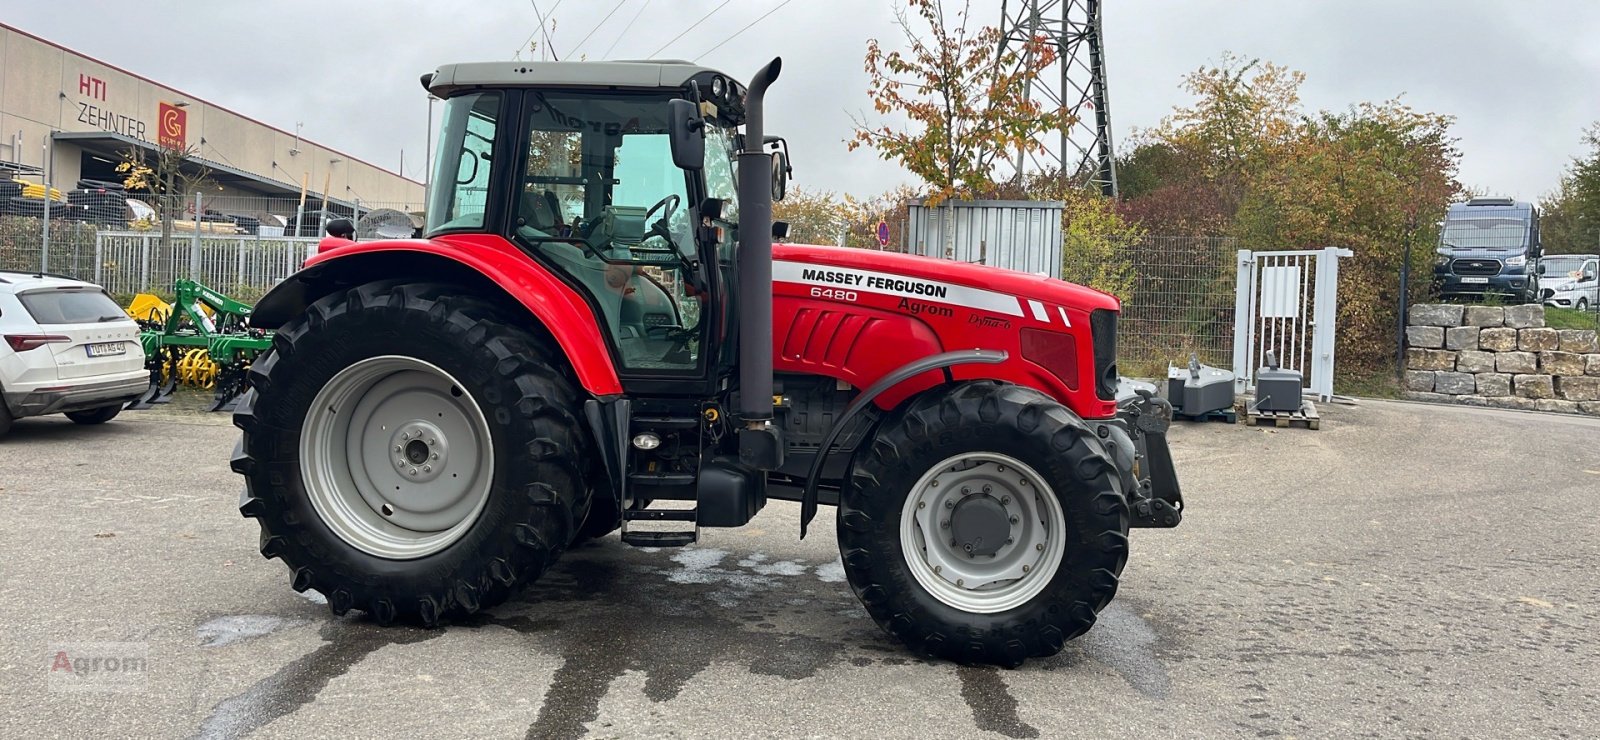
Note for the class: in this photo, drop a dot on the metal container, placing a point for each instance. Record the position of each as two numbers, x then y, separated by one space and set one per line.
1022 235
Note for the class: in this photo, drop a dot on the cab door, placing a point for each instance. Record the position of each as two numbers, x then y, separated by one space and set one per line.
601 203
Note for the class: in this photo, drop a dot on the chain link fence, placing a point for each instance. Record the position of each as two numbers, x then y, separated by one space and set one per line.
1177 292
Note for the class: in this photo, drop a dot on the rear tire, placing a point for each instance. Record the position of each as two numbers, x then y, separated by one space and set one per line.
503 416
1583 305
1071 539
95 416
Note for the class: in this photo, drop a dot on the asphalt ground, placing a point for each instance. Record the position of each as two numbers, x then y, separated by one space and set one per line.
1406 570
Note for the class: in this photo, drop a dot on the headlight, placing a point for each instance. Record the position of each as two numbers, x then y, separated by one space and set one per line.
1517 261
1440 259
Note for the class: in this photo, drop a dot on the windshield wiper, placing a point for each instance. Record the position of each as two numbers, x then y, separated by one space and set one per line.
114 317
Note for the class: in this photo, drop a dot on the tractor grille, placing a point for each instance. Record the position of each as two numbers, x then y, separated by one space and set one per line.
1103 334
1476 266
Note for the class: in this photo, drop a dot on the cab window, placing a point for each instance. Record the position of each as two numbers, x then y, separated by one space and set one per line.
601 200
462 165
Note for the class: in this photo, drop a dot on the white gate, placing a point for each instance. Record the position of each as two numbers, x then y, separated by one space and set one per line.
1287 304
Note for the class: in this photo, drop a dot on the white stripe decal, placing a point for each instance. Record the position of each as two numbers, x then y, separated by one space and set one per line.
1064 318
896 285
1039 314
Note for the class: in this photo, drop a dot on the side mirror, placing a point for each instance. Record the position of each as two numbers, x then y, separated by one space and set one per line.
341 228
1541 268
780 175
1588 276
687 133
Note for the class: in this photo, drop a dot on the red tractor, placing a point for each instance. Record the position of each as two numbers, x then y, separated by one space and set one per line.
595 331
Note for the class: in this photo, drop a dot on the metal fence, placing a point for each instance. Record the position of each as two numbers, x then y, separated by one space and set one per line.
133 262
126 262
1178 296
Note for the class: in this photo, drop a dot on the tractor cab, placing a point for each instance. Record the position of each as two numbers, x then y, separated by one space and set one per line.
626 191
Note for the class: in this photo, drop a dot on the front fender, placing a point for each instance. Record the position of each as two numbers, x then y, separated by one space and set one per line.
481 263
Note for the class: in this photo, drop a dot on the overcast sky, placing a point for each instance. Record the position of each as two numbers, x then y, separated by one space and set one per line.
1521 78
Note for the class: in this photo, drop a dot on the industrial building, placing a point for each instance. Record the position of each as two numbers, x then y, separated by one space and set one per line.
68 117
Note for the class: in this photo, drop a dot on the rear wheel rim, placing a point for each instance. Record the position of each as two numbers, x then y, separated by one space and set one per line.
949 529
396 457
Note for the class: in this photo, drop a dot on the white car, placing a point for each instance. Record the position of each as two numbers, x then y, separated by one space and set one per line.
1571 281
65 347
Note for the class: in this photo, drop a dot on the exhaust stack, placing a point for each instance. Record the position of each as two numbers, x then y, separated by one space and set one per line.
759 445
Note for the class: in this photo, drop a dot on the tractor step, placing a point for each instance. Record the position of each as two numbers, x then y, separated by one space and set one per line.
662 515
661 479
666 422
632 519
659 539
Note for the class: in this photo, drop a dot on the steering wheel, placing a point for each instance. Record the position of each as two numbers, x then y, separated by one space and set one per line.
671 204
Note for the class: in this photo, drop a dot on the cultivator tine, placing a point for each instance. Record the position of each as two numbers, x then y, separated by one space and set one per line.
153 394
146 399
230 384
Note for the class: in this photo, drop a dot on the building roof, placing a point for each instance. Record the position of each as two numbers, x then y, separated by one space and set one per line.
199 99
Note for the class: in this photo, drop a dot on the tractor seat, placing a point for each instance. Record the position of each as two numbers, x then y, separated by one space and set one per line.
541 211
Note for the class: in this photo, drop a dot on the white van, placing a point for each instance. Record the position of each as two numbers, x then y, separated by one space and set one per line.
1571 281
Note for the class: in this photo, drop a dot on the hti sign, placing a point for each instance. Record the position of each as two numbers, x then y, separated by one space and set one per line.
172 127
92 87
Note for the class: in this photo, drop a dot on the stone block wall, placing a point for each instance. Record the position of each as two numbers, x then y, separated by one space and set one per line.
1500 356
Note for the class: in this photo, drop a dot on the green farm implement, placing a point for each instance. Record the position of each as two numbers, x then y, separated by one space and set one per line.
201 340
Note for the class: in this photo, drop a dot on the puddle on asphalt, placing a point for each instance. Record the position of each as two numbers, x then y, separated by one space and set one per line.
607 611
230 629
345 643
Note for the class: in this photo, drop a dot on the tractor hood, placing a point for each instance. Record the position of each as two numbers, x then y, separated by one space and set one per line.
1010 282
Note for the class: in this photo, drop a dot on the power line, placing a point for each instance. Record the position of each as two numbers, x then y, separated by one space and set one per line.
597 26
742 30
691 27
624 33
541 30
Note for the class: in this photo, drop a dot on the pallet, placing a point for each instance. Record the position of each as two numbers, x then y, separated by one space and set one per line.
1224 415
1307 415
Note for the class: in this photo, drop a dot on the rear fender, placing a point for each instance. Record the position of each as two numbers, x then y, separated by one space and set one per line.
484 265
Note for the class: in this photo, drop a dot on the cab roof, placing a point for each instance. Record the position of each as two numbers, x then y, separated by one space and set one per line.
648 74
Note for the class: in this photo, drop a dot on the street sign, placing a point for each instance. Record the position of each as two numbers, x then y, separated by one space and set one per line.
883 233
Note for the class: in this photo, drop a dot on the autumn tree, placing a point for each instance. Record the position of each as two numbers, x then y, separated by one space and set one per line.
814 216
965 100
1246 160
162 173
1570 222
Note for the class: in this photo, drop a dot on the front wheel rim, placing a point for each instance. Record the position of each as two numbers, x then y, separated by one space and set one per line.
396 458
953 521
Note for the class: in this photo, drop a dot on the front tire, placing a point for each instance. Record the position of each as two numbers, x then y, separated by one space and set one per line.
363 392
95 416
991 483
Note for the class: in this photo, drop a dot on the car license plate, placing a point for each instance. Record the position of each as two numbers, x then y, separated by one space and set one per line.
106 349
1479 281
